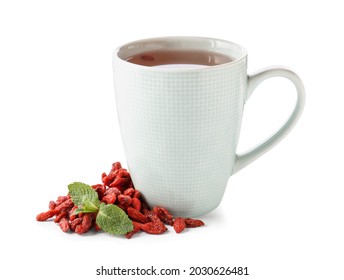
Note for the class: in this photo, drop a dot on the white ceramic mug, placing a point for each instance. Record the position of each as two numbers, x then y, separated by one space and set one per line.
180 126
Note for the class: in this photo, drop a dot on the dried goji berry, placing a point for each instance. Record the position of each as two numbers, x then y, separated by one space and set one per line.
152 216
105 179
74 223
192 223
79 229
96 227
124 200
64 206
129 191
46 215
137 227
116 166
87 221
112 190
136 203
154 228
179 224
124 208
52 205
61 199
120 183
64 225
147 57
96 186
136 194
85 224
123 173
71 213
109 198
164 215
60 216
108 179
137 216
100 189
114 173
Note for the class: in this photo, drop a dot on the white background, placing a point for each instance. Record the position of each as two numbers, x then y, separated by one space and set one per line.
282 216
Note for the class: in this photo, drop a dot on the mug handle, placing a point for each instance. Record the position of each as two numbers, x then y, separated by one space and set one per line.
244 159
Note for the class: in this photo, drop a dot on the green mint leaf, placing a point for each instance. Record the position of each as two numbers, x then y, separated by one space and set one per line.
113 219
85 209
83 195
91 208
78 210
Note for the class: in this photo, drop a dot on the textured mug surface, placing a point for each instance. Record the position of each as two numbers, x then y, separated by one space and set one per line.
180 127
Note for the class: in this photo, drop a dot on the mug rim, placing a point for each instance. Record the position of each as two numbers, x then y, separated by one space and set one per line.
128 47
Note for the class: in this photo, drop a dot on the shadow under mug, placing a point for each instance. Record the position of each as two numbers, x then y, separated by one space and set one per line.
180 126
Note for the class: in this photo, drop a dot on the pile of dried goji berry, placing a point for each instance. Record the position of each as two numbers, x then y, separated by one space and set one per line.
118 189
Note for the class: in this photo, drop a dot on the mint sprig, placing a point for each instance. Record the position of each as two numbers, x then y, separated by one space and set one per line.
110 217
83 195
113 219
85 210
